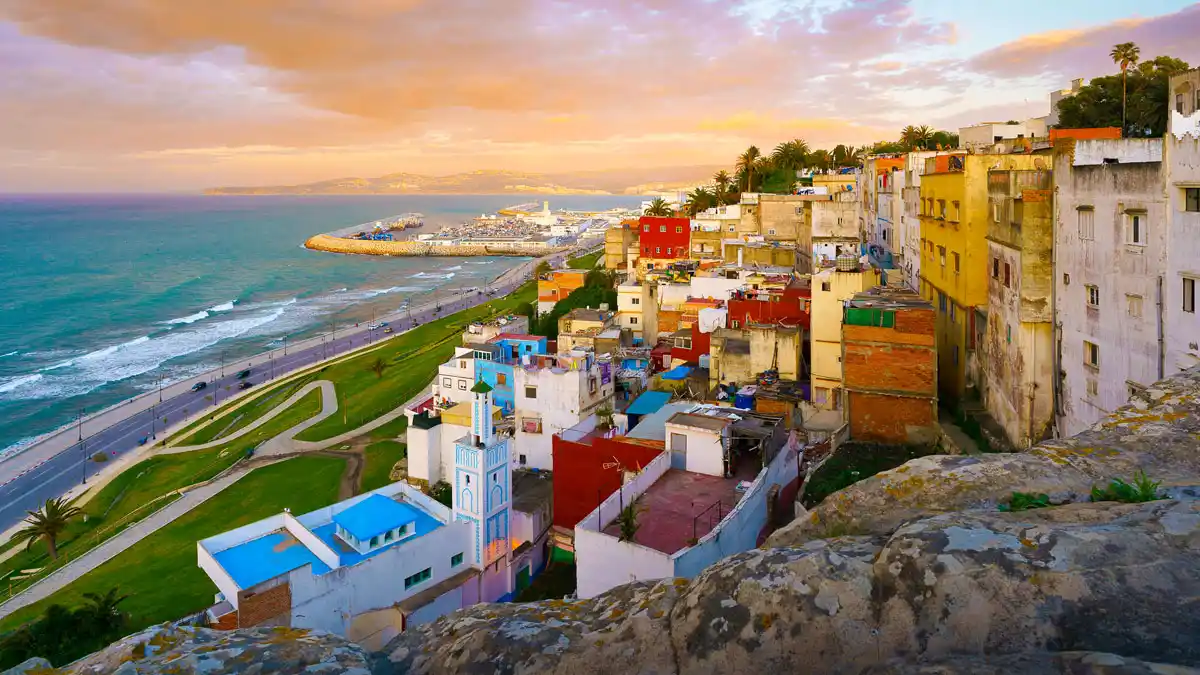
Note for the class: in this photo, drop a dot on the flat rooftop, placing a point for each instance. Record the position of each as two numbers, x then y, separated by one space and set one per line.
267 557
706 422
682 505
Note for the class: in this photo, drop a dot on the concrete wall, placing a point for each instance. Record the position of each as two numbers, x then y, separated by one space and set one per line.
220 578
826 348
705 453
603 561
1183 167
1128 344
561 400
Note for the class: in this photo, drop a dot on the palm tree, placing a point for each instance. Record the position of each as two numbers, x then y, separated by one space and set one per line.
722 181
908 136
47 524
747 163
1125 54
821 159
103 609
377 366
790 155
924 136
697 201
659 207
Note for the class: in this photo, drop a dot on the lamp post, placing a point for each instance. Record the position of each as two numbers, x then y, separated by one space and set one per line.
285 345
152 434
82 448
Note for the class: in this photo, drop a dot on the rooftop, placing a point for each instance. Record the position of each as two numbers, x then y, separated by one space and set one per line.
587 314
651 427
531 490
649 402
683 505
888 297
375 515
517 336
267 557
700 421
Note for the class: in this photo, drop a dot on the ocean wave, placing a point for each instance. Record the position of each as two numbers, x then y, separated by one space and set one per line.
12 353
223 307
433 275
454 269
16 448
14 383
190 318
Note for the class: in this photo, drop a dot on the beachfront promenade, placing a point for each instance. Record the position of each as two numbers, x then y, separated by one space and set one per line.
56 465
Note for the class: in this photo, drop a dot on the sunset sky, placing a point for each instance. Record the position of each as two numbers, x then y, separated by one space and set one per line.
143 95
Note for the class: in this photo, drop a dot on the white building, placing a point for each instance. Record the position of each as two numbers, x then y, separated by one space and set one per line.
1110 254
555 393
983 136
455 378
637 310
432 433
372 566
1182 156
707 496
908 233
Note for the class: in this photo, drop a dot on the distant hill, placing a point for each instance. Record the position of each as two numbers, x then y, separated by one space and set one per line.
617 181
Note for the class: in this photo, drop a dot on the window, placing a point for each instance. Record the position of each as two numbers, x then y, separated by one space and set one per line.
952 312
1093 387
942 256
941 301
1189 295
447 382
374 541
678 229
658 249
1134 305
956 265
995 268
662 228
462 385
462 364
1066 279
941 208
771 231
1179 103
1008 331
1093 295
668 250
954 211
645 228
1191 199
530 392
825 286
633 321
592 385
731 228
1091 354
1135 228
646 250
1087 223
822 395
419 577
389 535
457 558
501 379
734 323
635 301
996 211
521 459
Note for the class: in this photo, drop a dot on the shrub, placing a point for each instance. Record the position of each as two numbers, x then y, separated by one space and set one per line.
1142 489
441 491
99 458
1024 501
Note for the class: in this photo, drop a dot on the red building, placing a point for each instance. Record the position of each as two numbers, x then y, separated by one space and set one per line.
665 238
581 480
689 343
792 306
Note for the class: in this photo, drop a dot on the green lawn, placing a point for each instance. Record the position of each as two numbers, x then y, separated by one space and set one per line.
412 358
131 496
390 430
381 456
305 408
585 262
555 582
160 572
247 412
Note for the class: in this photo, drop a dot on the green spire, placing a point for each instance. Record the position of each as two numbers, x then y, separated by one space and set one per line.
481 387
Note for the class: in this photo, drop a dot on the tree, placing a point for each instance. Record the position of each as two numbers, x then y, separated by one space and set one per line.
721 179
944 140
628 520
908 137
790 155
103 610
659 207
1140 97
47 524
697 201
821 159
1125 55
377 366
924 136
747 163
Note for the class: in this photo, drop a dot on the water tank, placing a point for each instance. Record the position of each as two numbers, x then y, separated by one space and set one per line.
847 262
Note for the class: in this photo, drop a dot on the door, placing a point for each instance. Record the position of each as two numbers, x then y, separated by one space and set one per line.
678 451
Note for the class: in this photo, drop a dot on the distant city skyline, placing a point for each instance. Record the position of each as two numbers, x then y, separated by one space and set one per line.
109 95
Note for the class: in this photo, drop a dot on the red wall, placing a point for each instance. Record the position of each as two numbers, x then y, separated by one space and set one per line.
700 344
676 238
790 309
581 482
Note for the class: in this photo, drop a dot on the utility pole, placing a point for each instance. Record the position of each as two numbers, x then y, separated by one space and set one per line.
285 345
323 357
271 358
222 363
152 434
160 381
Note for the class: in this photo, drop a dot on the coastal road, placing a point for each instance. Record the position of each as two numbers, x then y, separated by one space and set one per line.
61 462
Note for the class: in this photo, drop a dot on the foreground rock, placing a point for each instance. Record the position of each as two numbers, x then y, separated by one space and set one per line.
1087 577
193 651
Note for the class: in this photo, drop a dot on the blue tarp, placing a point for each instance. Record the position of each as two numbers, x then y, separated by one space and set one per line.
648 403
677 373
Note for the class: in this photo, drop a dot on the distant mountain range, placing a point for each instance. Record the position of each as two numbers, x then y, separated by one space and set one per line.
616 181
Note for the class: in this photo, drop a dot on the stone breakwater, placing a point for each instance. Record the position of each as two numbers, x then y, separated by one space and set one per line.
324 242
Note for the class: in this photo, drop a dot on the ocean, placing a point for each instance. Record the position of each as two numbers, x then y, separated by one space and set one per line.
100 296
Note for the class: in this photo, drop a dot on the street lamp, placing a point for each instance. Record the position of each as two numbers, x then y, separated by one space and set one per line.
82 448
152 434
285 345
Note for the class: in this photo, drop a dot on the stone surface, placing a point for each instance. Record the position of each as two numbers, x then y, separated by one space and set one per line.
1082 577
31 667
192 651
1072 663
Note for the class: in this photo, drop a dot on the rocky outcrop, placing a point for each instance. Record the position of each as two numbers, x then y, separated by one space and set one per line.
200 651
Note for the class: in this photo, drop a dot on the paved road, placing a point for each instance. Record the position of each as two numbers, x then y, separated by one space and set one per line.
59 463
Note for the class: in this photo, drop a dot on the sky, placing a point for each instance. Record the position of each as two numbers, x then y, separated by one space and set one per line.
169 95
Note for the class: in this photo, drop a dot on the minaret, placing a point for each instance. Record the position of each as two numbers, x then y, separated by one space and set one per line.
483 483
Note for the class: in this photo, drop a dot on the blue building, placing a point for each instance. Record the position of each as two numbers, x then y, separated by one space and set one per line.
495 360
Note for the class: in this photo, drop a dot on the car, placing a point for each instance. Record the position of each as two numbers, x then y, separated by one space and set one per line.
387 329
245 385
143 439
244 374
199 385
374 326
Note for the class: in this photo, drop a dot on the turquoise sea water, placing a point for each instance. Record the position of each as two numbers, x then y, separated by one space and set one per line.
100 295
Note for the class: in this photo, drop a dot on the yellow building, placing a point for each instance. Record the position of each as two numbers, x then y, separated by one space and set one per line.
830 288
620 245
955 215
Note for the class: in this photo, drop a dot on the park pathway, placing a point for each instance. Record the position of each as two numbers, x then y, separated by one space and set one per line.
96 557
329 406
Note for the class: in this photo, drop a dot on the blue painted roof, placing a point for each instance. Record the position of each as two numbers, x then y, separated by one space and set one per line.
374 516
677 373
648 402
267 557
424 524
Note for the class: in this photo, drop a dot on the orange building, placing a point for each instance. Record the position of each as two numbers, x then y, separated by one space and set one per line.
889 367
557 285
